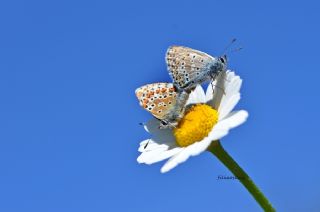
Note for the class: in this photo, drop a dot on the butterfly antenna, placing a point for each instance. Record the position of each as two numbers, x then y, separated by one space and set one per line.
236 50
228 46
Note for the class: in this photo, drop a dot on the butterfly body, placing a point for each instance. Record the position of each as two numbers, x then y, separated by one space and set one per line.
164 102
189 67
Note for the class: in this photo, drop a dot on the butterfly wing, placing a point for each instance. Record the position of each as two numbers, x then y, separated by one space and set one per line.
186 66
157 98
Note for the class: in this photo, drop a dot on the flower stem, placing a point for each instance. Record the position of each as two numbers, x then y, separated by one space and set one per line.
217 149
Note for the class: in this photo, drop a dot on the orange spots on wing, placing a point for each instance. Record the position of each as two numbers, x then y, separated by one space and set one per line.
157 91
150 94
163 90
171 89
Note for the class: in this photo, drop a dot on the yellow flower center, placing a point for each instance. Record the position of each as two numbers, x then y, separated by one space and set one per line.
195 125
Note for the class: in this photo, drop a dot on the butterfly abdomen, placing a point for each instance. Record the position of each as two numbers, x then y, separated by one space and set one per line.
177 112
197 77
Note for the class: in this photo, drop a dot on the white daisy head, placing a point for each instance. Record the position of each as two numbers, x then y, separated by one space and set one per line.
207 119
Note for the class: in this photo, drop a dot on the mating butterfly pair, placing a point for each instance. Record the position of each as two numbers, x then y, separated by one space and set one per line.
187 68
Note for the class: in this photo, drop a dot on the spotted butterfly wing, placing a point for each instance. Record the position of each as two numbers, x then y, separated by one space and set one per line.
157 98
188 67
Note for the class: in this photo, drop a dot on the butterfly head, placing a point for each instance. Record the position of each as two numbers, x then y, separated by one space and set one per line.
223 59
219 65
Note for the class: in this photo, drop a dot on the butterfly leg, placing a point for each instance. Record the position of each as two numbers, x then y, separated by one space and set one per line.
213 78
145 146
166 124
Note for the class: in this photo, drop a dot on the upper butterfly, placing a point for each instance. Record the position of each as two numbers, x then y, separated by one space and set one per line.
189 67
164 102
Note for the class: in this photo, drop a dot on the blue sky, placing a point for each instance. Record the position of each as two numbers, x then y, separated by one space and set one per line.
69 118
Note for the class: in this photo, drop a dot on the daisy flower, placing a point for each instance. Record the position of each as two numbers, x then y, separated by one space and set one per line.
209 117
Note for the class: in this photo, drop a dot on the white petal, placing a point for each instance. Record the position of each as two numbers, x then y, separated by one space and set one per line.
197 96
175 160
200 94
157 155
150 145
232 95
160 136
192 150
234 119
227 85
227 106
229 75
160 147
152 152
209 92
218 132
213 97
143 144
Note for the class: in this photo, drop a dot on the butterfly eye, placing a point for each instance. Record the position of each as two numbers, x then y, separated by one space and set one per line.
164 123
222 60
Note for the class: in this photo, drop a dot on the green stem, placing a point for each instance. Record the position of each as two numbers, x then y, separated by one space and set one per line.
238 172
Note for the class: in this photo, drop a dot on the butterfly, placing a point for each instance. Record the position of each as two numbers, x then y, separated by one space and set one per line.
164 102
189 67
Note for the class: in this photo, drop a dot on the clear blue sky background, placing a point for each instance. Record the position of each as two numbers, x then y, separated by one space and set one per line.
69 118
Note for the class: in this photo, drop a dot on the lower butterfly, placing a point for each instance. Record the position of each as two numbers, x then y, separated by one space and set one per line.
164 102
